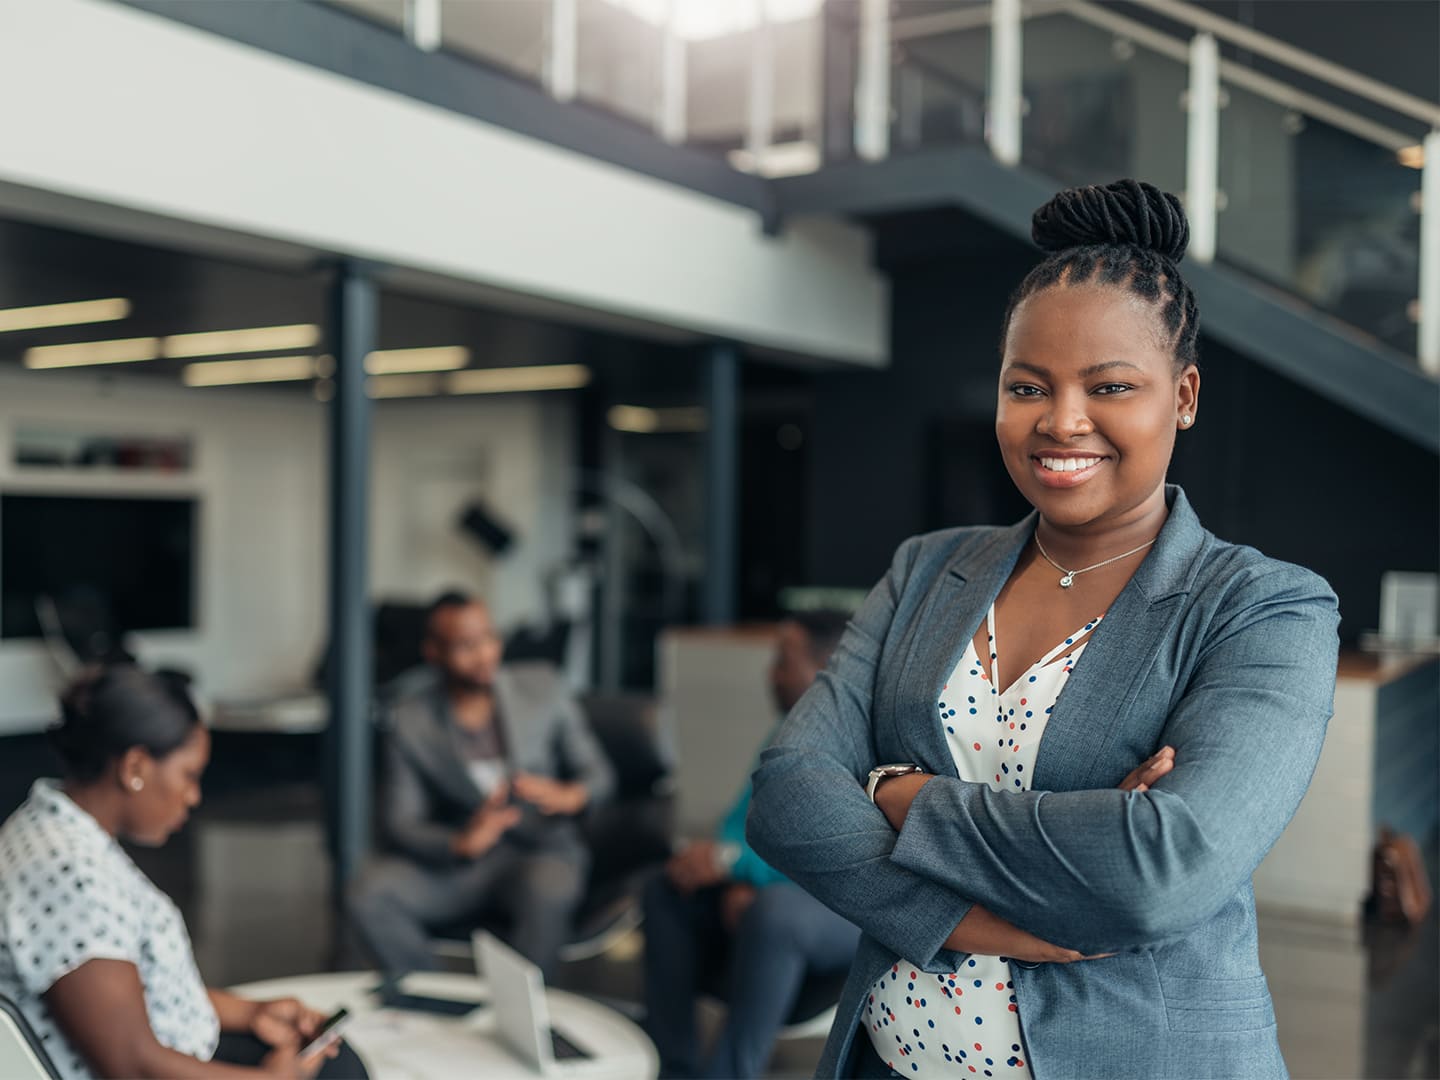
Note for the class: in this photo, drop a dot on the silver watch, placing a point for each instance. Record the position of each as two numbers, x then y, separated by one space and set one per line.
885 772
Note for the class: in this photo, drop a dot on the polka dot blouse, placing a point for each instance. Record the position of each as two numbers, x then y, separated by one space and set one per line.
69 894
966 1023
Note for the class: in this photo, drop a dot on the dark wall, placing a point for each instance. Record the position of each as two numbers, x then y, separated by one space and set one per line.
1268 463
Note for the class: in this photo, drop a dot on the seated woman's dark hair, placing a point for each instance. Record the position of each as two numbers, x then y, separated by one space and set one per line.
112 708
1128 234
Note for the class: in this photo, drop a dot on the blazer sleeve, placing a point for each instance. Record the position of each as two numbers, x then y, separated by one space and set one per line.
406 809
1104 870
809 815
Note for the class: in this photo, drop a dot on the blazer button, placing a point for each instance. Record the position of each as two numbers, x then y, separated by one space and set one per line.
1027 965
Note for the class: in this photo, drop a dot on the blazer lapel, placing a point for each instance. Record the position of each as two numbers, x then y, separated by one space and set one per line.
957 605
1094 704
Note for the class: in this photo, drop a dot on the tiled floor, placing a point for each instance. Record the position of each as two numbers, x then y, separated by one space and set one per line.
253 881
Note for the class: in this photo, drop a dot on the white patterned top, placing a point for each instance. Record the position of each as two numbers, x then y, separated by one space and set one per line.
69 894
967 1022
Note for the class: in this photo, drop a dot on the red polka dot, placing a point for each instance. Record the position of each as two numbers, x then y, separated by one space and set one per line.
1016 748
1012 725
913 975
977 746
979 1047
1019 1064
1014 1009
957 1010
999 986
1022 701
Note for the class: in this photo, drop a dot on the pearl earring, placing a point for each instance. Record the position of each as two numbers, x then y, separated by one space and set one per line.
136 783
1185 420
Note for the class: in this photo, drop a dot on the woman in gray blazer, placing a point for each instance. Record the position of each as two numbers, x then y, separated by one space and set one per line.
1050 859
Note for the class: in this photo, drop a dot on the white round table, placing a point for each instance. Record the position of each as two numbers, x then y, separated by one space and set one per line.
402 1045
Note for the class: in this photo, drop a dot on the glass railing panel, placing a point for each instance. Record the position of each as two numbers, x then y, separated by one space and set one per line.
1099 106
618 60
940 75
510 34
1321 212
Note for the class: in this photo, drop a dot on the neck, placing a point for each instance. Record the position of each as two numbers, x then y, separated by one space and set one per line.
1077 546
97 800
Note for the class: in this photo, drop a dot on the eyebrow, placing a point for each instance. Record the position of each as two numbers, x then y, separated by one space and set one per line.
1085 373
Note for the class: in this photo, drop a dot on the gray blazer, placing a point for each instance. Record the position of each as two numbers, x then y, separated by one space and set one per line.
427 793
1213 648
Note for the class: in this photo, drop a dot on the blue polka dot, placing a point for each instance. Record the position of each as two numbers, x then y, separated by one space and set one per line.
950 729
1069 641
1015 1047
972 701
1032 678
972 963
972 711
979 1020
931 1023
1027 712
977 982
1019 768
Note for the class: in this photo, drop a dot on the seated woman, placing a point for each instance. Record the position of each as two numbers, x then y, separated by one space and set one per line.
95 956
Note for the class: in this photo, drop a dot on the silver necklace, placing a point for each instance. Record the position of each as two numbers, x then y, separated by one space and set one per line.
1069 578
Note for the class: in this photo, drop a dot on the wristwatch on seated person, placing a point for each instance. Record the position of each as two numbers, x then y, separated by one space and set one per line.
886 772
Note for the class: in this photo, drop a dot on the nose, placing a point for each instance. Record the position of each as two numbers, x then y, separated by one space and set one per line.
1065 418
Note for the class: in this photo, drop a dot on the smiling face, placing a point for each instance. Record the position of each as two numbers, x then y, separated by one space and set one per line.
168 788
1089 405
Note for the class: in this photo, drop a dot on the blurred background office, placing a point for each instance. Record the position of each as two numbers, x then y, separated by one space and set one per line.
615 313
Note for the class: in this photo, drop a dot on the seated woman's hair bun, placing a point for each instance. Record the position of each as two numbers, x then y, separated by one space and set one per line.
110 708
1129 212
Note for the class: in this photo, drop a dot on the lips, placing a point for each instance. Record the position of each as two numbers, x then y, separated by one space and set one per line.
1066 470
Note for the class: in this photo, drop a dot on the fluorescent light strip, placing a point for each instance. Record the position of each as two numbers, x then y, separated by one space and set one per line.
403 385
440 358
265 369
71 314
639 420
518 379
85 353
255 339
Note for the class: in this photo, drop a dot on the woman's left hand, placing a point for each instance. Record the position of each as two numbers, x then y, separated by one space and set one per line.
284 1022
895 795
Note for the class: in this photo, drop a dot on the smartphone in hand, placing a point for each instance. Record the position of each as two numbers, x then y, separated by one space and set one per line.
328 1034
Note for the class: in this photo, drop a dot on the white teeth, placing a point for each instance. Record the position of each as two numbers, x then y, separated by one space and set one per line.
1068 464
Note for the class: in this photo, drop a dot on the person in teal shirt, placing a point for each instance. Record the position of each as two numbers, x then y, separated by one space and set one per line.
720 908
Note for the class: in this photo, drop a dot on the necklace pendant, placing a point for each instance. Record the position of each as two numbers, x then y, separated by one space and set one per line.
1067 580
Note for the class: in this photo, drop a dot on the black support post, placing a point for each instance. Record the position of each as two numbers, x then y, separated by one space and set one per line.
722 462
353 325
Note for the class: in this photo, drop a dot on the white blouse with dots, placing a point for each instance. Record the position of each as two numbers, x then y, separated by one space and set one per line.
69 894
926 1025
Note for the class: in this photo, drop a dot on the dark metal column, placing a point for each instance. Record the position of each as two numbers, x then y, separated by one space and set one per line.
722 464
353 322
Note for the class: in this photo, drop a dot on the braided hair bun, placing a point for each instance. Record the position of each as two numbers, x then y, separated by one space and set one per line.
1127 212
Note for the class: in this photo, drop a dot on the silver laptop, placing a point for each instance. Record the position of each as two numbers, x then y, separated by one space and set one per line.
522 1019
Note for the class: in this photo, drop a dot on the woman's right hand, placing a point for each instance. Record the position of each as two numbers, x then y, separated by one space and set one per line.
986 934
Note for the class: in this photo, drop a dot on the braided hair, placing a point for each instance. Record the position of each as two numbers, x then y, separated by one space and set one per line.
1128 234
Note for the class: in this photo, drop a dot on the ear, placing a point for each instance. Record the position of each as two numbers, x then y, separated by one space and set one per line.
134 769
1187 397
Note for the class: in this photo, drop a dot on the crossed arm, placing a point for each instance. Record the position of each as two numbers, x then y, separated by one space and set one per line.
1093 870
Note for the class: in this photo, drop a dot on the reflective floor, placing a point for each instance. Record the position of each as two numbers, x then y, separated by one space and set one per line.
252 877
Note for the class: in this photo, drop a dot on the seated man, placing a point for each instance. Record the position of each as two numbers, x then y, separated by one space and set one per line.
717 901
486 768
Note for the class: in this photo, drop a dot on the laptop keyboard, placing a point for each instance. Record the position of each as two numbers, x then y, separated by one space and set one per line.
563 1048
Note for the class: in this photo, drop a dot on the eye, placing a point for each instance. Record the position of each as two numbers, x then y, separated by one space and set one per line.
1112 388
1024 390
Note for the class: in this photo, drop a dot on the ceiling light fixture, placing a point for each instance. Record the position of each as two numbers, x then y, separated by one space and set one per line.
439 358
263 369
640 420
404 385
85 353
254 339
70 314
518 379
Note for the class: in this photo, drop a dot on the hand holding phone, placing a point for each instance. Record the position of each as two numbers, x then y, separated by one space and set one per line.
328 1034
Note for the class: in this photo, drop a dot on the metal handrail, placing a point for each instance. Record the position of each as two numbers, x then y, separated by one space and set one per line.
1282 93
1326 71
1267 86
